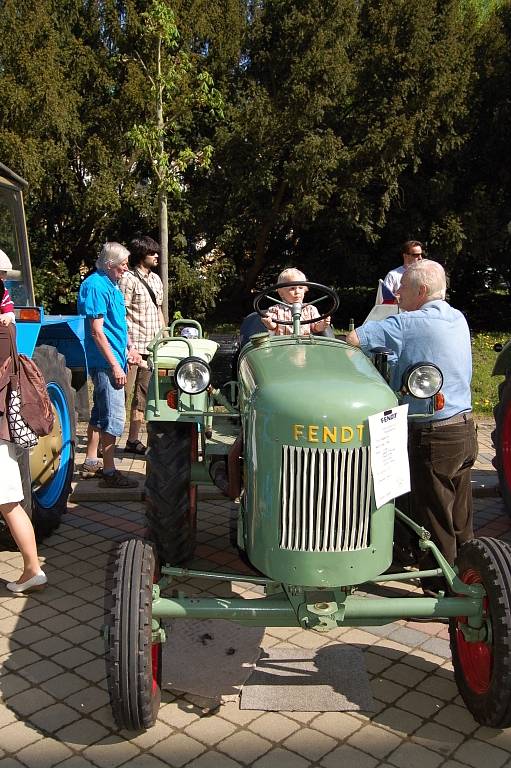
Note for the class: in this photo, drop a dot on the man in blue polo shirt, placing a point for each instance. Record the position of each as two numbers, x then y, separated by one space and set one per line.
443 446
108 351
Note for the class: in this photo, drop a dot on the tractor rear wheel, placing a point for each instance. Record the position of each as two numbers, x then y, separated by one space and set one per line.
502 440
134 660
52 459
171 498
483 669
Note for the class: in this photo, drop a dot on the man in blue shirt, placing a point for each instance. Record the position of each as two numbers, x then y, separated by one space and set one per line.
443 446
108 351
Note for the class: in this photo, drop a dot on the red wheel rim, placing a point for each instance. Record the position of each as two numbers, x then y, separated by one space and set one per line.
155 651
155 665
505 445
476 659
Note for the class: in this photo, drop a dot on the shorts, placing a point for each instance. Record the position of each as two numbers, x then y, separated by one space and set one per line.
11 491
138 381
108 410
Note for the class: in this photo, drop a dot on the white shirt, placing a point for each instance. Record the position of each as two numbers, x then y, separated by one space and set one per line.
393 279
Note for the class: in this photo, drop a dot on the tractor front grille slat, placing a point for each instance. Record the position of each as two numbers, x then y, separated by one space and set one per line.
325 499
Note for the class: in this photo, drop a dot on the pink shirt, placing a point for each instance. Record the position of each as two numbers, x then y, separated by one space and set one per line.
6 305
278 312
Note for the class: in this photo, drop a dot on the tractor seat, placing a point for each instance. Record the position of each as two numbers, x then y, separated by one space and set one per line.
176 349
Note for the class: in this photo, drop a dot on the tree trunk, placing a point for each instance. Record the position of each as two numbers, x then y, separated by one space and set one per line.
162 194
164 256
260 249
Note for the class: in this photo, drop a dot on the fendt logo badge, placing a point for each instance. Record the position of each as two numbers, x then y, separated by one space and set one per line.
316 433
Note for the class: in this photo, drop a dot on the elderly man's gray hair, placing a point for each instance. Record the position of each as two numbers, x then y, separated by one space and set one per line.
431 274
112 254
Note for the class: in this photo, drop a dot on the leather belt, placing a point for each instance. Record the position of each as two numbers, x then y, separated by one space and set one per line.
458 418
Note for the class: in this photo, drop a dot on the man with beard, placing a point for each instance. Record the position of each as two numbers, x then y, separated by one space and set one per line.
143 296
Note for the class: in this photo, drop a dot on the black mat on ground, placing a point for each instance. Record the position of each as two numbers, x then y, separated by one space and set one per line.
210 658
329 679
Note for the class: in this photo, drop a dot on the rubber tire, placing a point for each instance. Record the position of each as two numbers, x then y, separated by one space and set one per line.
502 440
133 660
171 499
489 561
50 503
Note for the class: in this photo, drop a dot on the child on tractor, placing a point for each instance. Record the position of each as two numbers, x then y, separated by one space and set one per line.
292 294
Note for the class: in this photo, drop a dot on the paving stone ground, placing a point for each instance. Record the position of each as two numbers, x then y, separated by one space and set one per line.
55 707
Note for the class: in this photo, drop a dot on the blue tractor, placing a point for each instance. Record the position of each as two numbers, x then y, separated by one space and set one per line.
55 343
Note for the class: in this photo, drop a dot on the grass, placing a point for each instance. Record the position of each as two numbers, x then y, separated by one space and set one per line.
484 385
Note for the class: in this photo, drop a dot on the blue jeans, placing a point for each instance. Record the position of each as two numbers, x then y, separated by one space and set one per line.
108 411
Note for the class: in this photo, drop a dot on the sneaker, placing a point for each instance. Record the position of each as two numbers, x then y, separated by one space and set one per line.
34 584
117 480
91 469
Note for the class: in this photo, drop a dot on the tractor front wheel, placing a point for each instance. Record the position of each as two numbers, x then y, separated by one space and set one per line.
483 668
171 498
134 660
502 440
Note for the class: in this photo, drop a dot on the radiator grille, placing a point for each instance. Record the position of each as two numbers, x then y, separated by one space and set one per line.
326 499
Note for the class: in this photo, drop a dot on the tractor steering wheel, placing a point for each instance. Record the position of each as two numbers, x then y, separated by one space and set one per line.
324 291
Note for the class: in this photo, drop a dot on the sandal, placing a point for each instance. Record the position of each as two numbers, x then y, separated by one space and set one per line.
135 446
117 480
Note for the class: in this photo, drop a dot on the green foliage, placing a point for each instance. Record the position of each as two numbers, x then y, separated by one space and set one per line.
54 287
484 385
193 287
179 89
335 107
59 96
319 133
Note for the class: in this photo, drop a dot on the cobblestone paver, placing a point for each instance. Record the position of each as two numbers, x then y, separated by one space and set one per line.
55 707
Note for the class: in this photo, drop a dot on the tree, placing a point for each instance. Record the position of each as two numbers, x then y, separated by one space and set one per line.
334 104
180 88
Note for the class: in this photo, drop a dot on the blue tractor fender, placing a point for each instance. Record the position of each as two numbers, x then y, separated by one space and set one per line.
65 333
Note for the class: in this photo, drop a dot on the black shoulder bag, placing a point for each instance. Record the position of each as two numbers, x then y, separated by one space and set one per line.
148 287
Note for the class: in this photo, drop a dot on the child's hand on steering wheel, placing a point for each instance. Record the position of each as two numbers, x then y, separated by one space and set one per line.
268 321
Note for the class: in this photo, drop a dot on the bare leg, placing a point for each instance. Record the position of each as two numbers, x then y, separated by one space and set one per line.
93 438
108 443
23 534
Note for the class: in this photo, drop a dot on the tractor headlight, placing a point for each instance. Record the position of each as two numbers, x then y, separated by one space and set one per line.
423 380
192 375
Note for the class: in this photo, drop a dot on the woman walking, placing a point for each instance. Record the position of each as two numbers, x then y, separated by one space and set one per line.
11 491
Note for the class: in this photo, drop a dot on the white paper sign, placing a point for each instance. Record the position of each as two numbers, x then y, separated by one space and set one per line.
389 454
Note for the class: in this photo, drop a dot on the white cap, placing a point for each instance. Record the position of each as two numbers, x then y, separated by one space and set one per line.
190 332
5 262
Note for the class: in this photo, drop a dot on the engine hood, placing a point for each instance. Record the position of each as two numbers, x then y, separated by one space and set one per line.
312 391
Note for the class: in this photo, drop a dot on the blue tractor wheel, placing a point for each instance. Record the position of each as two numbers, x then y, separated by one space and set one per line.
52 460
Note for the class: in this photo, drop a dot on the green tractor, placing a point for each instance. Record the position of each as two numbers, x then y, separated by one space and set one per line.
502 412
290 440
